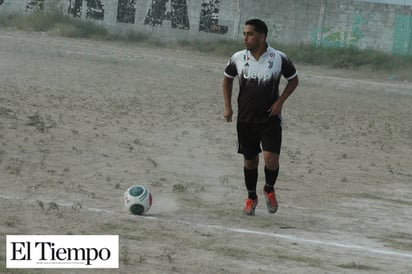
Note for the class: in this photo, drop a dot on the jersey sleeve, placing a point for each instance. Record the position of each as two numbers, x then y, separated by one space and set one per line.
231 70
288 68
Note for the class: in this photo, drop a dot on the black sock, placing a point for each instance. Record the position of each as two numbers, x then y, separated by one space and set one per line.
270 177
251 176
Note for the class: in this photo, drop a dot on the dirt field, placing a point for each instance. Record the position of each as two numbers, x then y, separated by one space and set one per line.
81 121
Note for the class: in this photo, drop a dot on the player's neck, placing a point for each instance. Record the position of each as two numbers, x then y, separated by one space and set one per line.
259 51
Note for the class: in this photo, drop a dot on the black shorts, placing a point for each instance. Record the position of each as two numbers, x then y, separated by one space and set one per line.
252 138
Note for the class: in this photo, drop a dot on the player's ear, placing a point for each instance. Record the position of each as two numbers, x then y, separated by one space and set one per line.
262 37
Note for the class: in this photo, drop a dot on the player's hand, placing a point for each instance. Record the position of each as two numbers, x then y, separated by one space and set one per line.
228 115
275 109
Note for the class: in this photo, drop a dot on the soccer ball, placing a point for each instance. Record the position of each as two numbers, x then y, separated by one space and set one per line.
138 199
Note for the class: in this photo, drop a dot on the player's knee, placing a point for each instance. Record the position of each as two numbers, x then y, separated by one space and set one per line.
272 161
252 163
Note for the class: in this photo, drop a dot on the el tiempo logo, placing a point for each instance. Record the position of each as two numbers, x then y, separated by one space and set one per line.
62 251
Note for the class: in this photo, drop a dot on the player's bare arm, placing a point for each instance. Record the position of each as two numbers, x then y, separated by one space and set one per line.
276 108
227 94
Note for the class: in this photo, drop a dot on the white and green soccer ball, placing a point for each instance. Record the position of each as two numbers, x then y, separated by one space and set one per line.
138 199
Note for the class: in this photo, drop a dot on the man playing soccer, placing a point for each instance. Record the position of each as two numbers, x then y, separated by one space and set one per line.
259 124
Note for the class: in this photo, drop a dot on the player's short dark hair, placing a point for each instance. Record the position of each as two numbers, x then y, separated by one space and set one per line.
260 26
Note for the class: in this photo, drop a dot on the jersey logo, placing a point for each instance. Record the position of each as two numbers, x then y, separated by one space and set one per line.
271 57
257 75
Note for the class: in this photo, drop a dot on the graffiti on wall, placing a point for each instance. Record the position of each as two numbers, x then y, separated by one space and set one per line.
209 18
75 8
333 38
173 10
340 38
126 11
1 2
34 5
277 30
95 10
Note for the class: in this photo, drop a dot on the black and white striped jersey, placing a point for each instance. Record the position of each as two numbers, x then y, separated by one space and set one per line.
258 81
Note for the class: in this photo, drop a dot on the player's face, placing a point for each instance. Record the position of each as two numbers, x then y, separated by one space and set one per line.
252 39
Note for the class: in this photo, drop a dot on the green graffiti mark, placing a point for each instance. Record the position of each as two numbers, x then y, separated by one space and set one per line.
340 39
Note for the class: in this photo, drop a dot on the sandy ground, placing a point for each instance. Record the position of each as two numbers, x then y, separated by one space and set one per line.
81 121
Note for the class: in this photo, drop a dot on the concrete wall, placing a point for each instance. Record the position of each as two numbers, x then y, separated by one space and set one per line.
384 25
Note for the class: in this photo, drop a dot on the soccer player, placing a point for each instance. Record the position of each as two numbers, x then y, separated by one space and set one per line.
259 68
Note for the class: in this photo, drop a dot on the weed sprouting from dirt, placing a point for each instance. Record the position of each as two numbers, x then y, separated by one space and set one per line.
40 204
358 266
41 124
179 188
301 259
124 255
15 166
397 240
